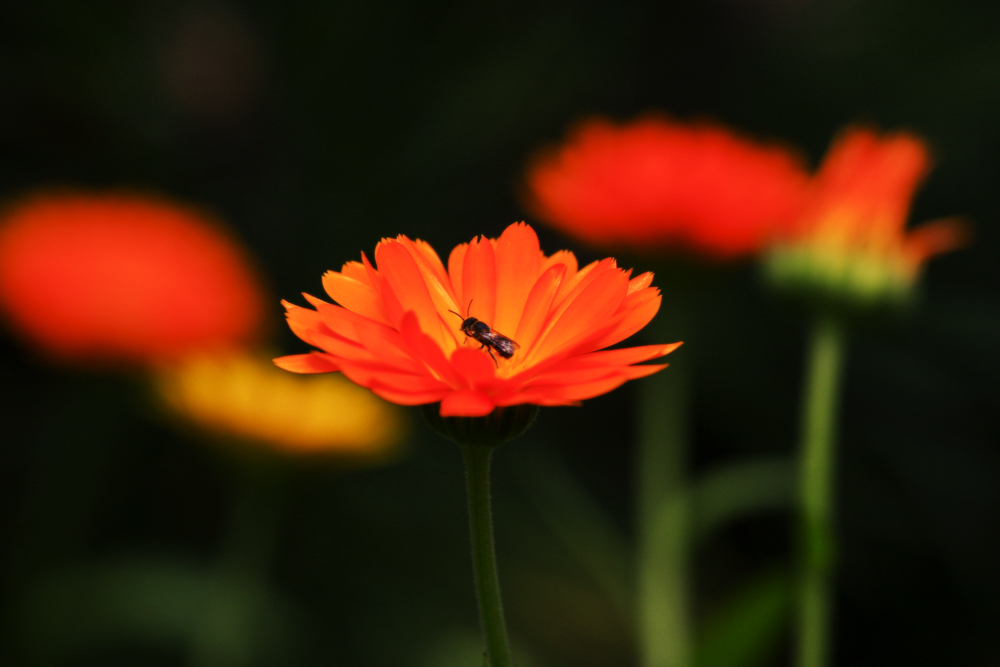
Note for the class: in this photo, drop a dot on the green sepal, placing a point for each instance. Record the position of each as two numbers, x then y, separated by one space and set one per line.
492 430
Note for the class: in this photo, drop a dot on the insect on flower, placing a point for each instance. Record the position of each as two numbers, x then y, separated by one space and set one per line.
484 334
386 330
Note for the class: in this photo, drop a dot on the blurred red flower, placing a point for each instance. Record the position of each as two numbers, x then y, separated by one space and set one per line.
654 184
851 236
122 278
394 334
861 199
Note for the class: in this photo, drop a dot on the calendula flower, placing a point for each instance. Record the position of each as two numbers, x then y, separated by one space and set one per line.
236 394
655 184
851 242
123 279
397 328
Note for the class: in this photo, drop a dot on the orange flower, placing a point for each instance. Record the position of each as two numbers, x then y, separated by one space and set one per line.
394 334
122 278
851 236
656 183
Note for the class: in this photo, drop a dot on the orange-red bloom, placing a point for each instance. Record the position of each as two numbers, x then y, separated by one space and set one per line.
861 199
654 183
852 233
394 334
123 278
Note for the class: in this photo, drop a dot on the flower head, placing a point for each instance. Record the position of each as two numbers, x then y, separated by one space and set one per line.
654 184
397 331
240 395
123 278
851 239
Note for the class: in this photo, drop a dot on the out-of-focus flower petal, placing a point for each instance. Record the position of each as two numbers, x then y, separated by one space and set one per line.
241 396
123 279
656 184
850 243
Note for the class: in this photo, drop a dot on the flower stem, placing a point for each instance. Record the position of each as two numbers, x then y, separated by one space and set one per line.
663 523
484 565
226 638
825 360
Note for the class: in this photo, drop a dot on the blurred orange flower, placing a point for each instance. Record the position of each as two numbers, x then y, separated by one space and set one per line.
240 395
122 278
394 334
851 235
655 183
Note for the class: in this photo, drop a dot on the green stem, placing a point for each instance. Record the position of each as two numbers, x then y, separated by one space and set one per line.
825 360
226 636
484 564
664 575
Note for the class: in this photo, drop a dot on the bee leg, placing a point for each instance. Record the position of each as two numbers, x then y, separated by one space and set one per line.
490 352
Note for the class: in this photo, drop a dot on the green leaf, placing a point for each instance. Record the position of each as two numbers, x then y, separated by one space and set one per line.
749 626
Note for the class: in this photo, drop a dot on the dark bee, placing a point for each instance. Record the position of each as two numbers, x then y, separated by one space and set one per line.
487 337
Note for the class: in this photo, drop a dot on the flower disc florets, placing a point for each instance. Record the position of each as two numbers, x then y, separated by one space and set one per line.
397 328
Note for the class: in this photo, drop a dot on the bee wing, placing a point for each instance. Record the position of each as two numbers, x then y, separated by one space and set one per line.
503 345
508 339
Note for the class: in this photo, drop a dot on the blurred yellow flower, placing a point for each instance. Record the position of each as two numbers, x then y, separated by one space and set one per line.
242 395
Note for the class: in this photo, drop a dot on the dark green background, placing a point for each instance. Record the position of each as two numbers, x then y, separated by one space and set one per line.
314 130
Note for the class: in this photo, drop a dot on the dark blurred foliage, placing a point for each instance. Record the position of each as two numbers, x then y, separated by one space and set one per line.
315 129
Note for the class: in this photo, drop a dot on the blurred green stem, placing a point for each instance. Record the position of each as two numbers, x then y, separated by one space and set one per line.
484 565
226 637
825 357
664 522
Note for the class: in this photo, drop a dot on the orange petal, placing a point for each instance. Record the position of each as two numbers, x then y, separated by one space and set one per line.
390 304
479 280
561 394
302 329
466 403
330 341
625 356
581 376
564 257
517 264
355 295
589 310
537 306
298 312
357 271
388 345
430 257
373 373
565 296
936 237
641 307
374 279
456 261
437 281
477 370
313 362
337 318
641 281
423 348
404 279
581 278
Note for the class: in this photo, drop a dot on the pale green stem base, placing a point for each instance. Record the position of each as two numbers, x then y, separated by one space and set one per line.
664 548
484 565
816 492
